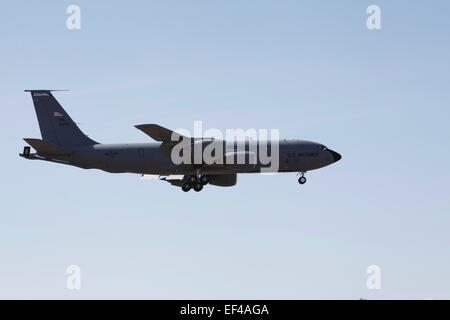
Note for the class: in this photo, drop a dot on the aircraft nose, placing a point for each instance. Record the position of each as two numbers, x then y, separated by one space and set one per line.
336 156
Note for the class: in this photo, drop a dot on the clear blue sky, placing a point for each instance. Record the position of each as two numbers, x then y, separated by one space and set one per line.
311 69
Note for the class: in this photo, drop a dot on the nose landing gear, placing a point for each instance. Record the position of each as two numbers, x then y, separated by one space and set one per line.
302 179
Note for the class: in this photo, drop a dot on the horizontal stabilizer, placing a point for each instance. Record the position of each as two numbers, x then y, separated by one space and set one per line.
47 148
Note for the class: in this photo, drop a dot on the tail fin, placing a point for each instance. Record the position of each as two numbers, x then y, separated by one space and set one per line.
56 125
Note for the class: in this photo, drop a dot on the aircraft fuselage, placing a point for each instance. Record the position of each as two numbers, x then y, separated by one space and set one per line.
146 158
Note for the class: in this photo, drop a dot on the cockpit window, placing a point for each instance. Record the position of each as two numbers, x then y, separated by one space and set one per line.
323 147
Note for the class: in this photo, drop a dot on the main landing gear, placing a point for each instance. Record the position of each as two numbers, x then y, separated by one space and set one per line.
302 179
195 182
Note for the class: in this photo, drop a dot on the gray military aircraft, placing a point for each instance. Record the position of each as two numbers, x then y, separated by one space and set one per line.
63 142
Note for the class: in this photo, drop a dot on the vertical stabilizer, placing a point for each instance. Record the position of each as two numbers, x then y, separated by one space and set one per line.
56 125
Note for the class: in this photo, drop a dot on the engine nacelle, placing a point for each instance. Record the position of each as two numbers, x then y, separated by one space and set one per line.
223 180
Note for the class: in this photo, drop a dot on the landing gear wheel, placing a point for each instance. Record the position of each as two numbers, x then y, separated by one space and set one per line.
186 187
198 187
302 180
204 180
192 179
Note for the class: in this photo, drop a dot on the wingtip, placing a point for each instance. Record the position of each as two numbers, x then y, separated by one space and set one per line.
146 125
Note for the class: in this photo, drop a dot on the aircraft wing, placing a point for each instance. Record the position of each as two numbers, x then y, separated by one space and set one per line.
168 137
159 133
